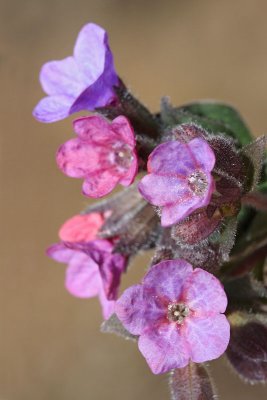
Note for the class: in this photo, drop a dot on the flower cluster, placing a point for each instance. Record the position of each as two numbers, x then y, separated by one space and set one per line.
199 172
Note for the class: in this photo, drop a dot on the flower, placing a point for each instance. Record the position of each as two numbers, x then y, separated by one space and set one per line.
176 311
83 81
179 178
81 228
103 154
93 270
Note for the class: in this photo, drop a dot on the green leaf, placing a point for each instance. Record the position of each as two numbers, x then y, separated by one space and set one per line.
192 382
214 116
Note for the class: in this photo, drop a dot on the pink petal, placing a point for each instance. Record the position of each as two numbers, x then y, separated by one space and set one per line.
94 129
110 270
77 159
63 77
59 252
54 108
90 50
164 348
204 293
100 184
202 153
81 228
138 309
166 279
128 178
207 338
160 190
176 212
124 130
82 277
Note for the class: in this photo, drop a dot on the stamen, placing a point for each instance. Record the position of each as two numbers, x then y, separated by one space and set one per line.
197 182
177 312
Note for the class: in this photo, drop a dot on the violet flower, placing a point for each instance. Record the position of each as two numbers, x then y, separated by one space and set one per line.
83 81
176 311
93 270
179 178
103 154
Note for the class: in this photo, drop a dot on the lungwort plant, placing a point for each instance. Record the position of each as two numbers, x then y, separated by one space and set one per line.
193 189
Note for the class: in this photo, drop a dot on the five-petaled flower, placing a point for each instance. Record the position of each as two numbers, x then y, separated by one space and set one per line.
93 270
177 312
83 81
179 178
103 154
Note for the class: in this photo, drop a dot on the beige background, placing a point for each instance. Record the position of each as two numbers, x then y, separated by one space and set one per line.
50 345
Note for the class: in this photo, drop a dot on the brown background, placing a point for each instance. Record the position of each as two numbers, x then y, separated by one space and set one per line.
50 345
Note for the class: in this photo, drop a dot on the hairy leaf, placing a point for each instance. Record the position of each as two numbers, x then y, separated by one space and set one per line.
114 325
192 382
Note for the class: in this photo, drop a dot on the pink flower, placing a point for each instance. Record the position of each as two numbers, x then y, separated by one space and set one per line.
179 179
93 270
103 154
81 228
176 311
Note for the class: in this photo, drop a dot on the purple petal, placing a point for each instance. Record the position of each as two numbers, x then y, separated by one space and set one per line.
51 109
90 50
204 293
59 252
166 279
82 277
164 348
170 159
100 184
202 153
108 306
207 338
160 190
77 159
176 212
110 270
138 310
63 77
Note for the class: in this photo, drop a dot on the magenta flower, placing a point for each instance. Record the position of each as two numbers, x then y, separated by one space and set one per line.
81 228
103 154
179 178
83 81
176 311
92 270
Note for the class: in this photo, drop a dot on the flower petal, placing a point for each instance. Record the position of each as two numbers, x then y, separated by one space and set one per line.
82 276
164 348
166 279
100 184
81 228
110 269
171 158
207 338
108 306
204 293
202 153
77 159
128 178
63 77
161 190
137 309
59 252
174 213
94 129
53 108
124 130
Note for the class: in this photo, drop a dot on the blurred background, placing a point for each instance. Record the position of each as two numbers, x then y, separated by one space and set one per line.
50 345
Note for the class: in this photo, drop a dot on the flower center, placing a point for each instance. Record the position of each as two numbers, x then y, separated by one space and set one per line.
177 312
197 182
123 156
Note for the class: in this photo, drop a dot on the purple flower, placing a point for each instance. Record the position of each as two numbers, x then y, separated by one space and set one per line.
179 178
103 154
83 81
177 313
92 270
